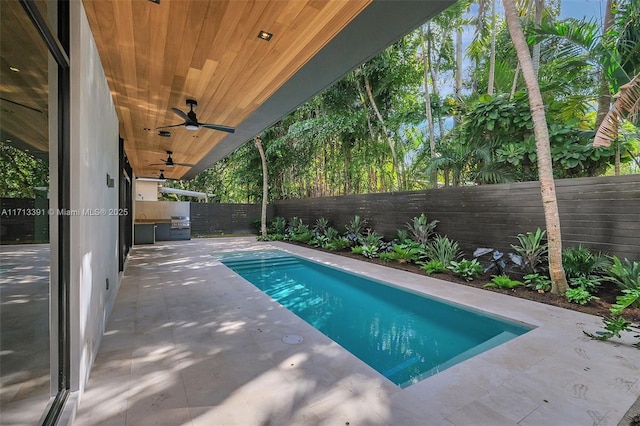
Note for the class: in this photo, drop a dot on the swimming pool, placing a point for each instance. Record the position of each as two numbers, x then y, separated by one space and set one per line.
404 336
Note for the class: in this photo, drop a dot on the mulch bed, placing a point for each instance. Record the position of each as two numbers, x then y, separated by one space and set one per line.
607 292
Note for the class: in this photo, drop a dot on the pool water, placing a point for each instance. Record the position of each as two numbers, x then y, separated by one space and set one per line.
404 336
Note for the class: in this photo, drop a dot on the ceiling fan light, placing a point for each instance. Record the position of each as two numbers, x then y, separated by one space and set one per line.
191 126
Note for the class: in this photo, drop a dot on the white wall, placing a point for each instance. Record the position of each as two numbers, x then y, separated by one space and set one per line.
94 239
161 209
146 190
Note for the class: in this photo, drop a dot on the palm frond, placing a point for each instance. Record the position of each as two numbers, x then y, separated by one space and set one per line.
626 106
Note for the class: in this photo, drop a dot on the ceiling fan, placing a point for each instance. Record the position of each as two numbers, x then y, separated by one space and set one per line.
170 163
191 121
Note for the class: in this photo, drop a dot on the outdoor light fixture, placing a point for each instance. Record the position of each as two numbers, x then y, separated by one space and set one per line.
265 35
161 175
14 69
164 133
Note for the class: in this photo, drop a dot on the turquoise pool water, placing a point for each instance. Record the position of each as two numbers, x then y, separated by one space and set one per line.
404 336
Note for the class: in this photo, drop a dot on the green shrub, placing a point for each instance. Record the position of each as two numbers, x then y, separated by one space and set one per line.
579 295
278 226
387 256
540 283
357 250
532 251
580 261
321 226
617 324
404 253
443 249
337 244
589 283
354 230
420 230
433 266
466 269
502 281
625 274
370 251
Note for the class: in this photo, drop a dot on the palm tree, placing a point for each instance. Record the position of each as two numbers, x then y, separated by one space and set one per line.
265 187
626 106
543 150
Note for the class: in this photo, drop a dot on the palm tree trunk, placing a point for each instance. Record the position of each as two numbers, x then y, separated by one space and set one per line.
367 87
604 97
458 92
492 53
543 150
265 187
427 99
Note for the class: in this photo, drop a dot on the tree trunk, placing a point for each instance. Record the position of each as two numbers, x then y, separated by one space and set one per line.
604 97
265 187
367 87
427 99
458 92
543 150
492 53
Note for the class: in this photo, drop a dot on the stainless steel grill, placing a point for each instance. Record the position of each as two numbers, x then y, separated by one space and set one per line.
180 222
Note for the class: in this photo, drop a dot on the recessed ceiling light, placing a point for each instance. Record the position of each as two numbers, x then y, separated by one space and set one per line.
147 129
265 35
14 69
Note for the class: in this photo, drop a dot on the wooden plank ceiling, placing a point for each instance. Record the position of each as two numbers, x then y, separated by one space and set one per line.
158 55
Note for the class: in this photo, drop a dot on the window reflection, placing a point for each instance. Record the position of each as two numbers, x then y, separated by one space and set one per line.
24 239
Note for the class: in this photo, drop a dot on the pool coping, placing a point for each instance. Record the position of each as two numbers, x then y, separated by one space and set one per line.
184 321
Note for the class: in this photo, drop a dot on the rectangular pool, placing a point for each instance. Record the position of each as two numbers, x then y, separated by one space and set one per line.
404 336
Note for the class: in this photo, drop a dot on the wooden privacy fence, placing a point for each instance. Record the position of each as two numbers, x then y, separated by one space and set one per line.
602 213
218 219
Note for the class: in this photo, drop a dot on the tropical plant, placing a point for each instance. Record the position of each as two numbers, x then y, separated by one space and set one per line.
579 295
531 253
466 269
538 282
617 324
543 149
502 281
580 261
421 230
496 260
433 266
321 226
404 253
370 250
331 233
354 229
337 244
387 256
278 225
590 283
357 250
443 249
625 274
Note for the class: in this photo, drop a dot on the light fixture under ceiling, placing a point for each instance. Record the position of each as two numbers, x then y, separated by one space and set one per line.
14 69
263 35
164 133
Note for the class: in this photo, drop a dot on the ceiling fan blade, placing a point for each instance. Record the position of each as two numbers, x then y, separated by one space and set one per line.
218 127
166 127
180 114
158 164
183 164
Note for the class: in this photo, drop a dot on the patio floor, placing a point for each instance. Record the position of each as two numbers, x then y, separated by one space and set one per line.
189 342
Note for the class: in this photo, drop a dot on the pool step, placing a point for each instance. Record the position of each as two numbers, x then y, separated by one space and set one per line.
248 264
497 340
